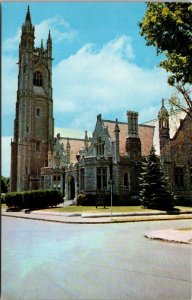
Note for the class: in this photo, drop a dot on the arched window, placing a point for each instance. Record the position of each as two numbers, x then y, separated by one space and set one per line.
126 181
37 79
100 147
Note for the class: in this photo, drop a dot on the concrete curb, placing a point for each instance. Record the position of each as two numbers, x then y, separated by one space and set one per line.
77 219
171 236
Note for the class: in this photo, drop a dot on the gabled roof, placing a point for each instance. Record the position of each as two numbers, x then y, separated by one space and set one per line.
75 146
146 133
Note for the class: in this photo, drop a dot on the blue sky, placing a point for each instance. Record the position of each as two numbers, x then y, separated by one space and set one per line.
101 63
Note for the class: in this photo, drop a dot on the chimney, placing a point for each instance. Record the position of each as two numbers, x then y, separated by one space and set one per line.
116 130
132 124
133 143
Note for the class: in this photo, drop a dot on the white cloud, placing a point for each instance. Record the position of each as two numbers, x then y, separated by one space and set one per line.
9 84
60 30
6 154
91 82
105 81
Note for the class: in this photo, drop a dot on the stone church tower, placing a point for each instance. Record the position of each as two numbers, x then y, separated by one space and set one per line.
34 124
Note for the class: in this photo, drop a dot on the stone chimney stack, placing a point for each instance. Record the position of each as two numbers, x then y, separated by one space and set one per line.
133 124
133 143
117 131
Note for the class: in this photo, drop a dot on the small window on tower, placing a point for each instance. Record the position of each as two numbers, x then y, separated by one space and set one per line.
38 112
37 146
37 79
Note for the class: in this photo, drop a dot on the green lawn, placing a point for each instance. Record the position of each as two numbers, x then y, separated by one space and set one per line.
107 209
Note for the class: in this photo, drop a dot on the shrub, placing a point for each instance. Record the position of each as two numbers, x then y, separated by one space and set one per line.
81 198
33 199
14 199
3 198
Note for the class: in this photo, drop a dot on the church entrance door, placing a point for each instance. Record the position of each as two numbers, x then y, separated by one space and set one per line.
72 188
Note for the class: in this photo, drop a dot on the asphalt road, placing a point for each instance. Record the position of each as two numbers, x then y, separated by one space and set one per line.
43 260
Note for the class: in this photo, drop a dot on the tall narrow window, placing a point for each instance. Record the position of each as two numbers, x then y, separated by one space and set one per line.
37 79
38 112
82 179
37 146
100 147
101 178
126 181
179 177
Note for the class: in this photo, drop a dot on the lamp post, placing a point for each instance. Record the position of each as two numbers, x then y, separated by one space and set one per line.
63 184
111 181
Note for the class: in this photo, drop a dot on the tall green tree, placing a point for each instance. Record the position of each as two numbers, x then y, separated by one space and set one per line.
154 192
168 27
4 184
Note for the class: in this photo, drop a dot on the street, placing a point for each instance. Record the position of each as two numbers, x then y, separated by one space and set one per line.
46 260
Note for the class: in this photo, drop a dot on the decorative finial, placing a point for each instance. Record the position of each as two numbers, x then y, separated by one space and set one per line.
28 16
116 126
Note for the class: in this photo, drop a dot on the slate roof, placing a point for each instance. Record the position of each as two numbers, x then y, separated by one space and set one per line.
76 140
146 133
75 144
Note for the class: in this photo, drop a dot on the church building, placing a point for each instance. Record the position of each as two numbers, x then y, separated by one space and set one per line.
109 159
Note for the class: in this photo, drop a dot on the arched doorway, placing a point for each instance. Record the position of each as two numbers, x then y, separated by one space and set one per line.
71 187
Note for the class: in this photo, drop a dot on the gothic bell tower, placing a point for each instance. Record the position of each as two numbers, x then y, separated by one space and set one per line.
34 123
163 117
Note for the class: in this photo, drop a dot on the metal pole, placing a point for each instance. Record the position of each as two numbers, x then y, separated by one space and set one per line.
111 200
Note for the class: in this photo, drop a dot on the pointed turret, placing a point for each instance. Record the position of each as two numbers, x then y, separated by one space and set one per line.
27 36
163 117
68 151
28 16
41 43
86 140
49 40
49 45
116 126
27 26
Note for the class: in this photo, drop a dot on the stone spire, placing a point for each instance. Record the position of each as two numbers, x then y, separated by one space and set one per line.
41 43
68 151
49 46
86 140
163 116
28 16
49 37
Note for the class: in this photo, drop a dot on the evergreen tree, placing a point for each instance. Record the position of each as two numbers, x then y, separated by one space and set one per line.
154 192
4 184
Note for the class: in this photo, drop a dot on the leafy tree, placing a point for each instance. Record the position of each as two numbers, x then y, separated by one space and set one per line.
168 27
153 188
4 184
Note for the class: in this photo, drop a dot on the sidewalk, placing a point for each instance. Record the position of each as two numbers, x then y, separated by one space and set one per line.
85 218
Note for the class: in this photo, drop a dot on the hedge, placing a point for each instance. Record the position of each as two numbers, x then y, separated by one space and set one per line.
33 199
